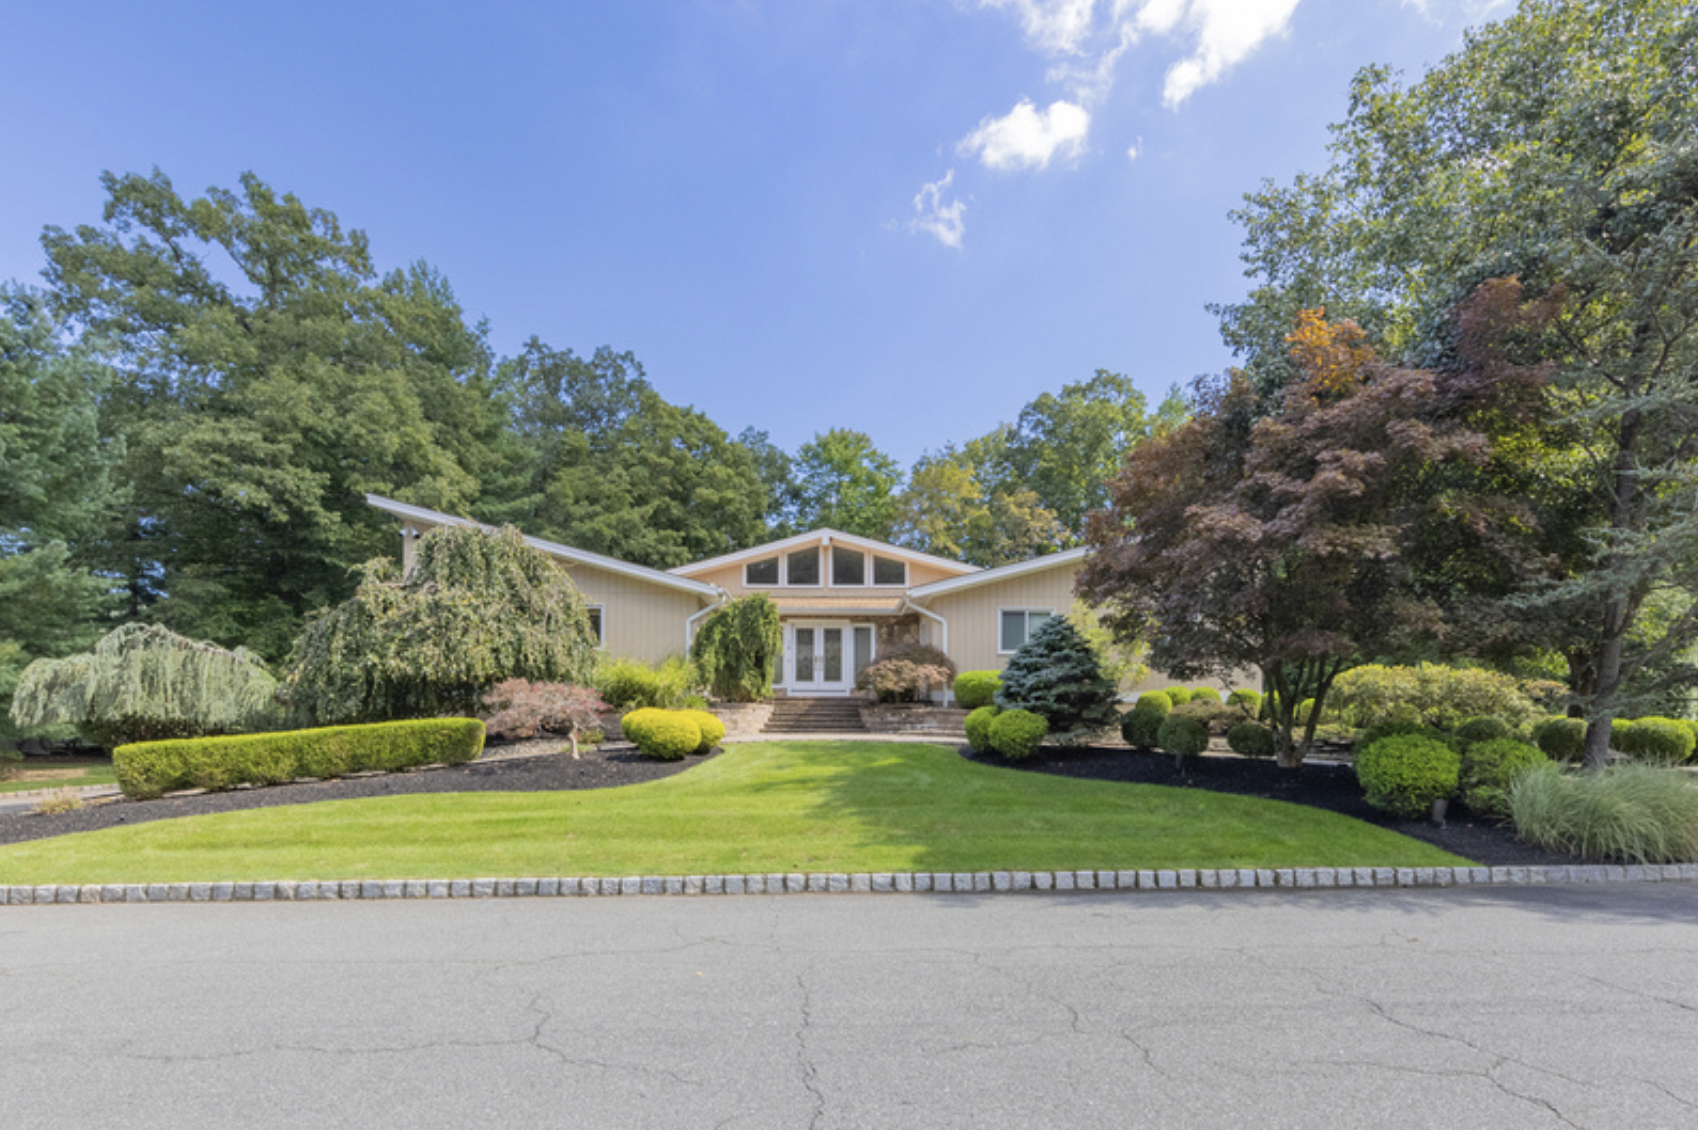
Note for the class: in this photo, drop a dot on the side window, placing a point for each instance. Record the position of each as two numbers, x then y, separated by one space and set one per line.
596 625
1016 625
803 567
763 572
848 566
889 571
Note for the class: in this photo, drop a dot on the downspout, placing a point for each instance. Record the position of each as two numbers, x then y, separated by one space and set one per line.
943 632
690 624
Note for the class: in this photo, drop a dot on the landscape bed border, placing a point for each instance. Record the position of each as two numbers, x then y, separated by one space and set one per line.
883 882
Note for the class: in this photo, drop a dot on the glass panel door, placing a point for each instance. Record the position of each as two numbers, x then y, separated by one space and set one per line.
831 640
804 655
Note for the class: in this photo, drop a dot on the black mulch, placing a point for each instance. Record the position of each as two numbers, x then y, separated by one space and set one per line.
1319 785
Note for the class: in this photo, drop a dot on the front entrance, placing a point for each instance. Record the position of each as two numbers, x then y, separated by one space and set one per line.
822 657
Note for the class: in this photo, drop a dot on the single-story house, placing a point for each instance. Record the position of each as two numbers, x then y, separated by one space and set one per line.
841 599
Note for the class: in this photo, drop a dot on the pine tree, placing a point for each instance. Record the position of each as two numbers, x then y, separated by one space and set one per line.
1056 674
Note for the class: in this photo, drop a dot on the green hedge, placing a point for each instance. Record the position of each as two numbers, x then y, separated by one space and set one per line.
977 725
1017 734
1182 736
1490 768
1561 739
1251 739
974 689
150 769
1654 739
1405 775
713 730
1142 723
664 735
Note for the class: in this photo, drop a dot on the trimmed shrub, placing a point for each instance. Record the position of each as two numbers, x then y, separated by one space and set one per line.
1248 699
630 684
1017 734
1435 694
1484 728
978 724
1405 775
1207 694
663 735
1666 740
1490 767
146 683
737 649
1628 813
974 689
1176 696
1561 739
713 730
1141 724
1251 739
150 769
1397 728
1182 736
1159 701
1056 674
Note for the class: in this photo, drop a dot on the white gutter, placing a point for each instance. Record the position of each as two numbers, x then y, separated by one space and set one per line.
941 622
690 623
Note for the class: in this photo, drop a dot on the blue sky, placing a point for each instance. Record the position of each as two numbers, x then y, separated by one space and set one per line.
907 217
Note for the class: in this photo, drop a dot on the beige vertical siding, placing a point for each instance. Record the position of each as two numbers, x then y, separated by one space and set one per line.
639 620
974 613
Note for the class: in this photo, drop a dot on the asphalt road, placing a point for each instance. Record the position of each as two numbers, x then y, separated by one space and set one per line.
1532 1007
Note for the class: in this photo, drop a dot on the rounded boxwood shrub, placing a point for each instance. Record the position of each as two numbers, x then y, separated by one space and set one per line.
1017 734
1142 723
1654 739
1398 728
1490 767
1561 739
1250 700
663 735
1159 701
1405 775
1182 736
713 730
1251 739
1484 728
974 689
1207 694
1177 696
978 725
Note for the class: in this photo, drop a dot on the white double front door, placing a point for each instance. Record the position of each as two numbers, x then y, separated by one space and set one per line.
823 656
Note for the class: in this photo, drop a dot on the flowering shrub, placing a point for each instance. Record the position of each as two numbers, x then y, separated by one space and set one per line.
522 708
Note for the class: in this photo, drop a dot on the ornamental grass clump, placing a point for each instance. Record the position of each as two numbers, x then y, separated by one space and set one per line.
145 683
1490 768
1404 775
1627 813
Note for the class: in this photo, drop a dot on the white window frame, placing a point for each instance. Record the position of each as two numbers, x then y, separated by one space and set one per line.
872 572
600 621
1028 612
748 584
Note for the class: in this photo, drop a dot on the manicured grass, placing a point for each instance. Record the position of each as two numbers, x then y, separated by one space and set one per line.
778 806
64 773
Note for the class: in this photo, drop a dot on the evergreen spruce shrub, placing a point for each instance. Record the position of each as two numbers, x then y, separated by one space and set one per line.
1251 739
1055 674
1404 775
978 724
630 684
1140 725
478 607
1628 813
1561 739
1490 767
1483 728
1016 734
146 683
737 648
974 689
1666 740
1182 736
150 769
662 735
712 729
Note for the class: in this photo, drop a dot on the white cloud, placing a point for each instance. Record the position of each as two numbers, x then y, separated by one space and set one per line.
1029 138
1089 37
1132 150
937 218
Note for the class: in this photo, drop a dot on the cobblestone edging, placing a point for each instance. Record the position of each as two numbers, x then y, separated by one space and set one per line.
898 882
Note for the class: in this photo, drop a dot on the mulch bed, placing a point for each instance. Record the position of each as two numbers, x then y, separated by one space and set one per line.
537 767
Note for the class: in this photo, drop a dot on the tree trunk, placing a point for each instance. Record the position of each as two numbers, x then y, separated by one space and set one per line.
1619 607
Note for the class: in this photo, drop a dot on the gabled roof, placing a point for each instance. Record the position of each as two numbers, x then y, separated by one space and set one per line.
1000 573
871 545
555 549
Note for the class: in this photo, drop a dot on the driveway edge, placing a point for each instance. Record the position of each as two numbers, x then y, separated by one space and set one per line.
885 882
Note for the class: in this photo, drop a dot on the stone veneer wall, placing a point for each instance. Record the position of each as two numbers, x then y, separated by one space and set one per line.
912 718
743 718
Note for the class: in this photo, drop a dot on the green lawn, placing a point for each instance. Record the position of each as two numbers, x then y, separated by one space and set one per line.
777 806
97 772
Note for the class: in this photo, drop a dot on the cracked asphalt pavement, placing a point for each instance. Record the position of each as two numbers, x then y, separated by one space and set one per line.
1530 1007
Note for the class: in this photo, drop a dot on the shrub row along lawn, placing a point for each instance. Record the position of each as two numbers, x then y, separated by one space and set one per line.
769 807
58 774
